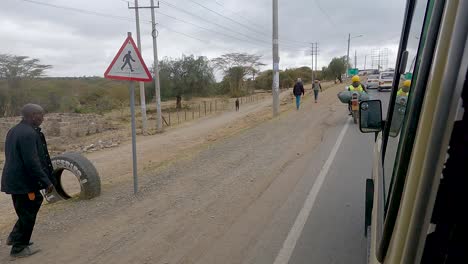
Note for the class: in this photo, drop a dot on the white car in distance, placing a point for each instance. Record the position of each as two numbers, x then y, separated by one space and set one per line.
373 81
386 80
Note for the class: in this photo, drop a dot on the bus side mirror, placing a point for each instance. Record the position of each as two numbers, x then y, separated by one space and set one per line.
370 113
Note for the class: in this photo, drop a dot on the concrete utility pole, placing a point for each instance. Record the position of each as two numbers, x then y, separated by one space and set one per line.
365 61
316 55
142 84
378 65
275 86
347 55
156 66
312 53
156 70
355 58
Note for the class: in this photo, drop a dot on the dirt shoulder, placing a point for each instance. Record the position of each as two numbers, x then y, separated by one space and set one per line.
196 181
156 151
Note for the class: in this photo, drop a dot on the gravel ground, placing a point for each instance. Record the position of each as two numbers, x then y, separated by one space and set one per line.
188 203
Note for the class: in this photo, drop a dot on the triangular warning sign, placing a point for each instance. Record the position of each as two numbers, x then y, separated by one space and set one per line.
128 64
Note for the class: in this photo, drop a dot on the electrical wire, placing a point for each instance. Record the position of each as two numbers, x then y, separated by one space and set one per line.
238 13
317 2
227 18
222 26
237 22
89 12
211 22
207 29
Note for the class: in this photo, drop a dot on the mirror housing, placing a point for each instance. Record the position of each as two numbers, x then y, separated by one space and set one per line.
370 113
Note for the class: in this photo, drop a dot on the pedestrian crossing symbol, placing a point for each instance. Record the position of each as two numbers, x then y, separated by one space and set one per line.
128 64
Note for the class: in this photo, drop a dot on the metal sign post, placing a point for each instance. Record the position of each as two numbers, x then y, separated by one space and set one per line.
129 65
134 155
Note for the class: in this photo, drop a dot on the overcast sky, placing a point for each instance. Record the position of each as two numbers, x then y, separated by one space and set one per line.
80 43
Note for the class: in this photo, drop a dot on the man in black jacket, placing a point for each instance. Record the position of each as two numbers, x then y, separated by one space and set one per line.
298 90
27 170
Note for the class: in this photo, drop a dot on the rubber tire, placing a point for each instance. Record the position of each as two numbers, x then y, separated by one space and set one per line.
83 169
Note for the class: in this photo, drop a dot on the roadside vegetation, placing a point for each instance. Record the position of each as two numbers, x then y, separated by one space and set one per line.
23 80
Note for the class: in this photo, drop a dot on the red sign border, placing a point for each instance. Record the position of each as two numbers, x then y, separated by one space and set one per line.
122 78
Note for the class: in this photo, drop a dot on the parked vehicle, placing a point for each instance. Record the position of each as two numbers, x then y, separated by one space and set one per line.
385 80
373 81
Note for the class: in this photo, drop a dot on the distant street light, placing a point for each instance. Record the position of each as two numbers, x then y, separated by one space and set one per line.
347 56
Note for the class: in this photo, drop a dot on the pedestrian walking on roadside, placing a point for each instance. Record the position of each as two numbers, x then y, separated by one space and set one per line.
316 86
298 90
237 105
27 170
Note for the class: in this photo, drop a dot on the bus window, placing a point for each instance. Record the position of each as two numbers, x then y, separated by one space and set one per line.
403 93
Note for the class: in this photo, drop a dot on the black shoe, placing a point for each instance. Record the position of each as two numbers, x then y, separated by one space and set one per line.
10 243
26 252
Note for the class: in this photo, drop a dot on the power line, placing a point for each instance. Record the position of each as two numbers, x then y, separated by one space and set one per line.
88 12
211 22
236 22
214 23
222 26
317 2
79 10
252 22
183 34
226 17
211 30
238 13
204 28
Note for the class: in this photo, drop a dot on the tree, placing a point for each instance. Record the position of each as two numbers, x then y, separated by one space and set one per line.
236 66
336 68
187 76
288 77
264 80
20 67
14 69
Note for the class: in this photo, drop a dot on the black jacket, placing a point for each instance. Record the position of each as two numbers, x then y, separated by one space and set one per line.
298 89
27 163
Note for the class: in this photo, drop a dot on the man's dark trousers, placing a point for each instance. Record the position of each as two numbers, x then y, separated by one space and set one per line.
27 211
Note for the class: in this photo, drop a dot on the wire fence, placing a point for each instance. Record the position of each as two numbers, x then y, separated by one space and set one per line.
193 111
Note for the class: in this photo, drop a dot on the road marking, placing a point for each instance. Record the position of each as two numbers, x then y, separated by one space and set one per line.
290 243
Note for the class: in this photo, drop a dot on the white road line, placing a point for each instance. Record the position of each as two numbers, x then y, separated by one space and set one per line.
290 243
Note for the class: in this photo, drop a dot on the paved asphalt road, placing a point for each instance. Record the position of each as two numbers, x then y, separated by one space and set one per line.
334 229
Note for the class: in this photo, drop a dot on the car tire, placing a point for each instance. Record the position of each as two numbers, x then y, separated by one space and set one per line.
84 171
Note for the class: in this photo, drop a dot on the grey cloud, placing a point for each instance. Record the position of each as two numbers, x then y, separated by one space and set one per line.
83 44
